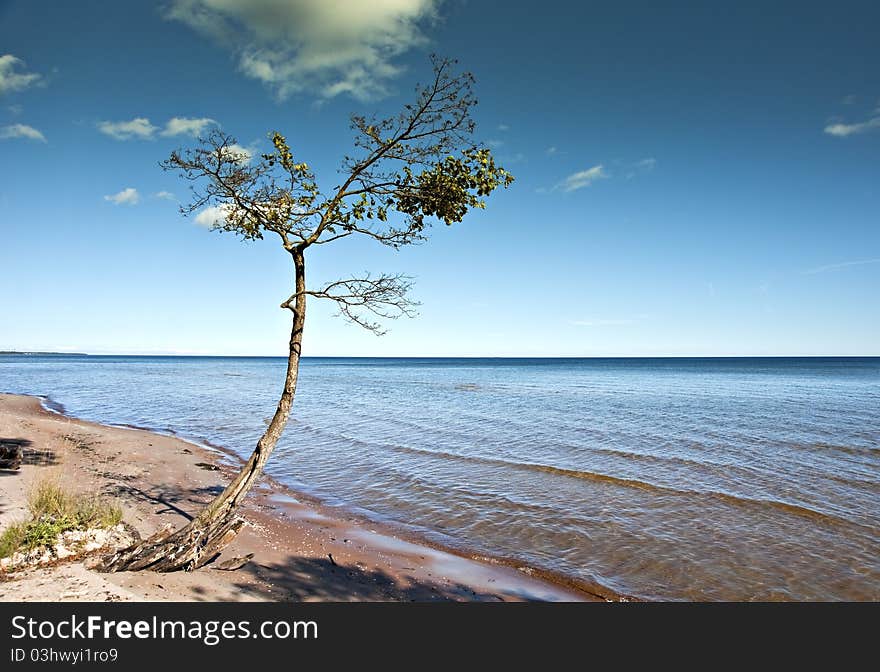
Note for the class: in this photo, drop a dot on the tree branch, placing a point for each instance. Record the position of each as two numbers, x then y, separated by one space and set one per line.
358 299
438 124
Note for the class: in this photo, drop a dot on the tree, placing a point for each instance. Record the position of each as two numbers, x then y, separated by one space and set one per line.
409 170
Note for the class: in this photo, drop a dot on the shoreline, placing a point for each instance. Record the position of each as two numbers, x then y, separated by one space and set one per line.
304 550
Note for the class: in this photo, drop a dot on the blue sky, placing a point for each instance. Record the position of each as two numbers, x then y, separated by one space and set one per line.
689 180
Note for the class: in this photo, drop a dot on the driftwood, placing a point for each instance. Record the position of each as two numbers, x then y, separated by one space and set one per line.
11 453
166 551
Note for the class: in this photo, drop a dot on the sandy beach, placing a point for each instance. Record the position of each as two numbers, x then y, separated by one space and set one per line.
302 550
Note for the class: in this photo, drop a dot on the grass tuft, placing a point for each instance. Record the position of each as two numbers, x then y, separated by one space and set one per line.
54 511
11 539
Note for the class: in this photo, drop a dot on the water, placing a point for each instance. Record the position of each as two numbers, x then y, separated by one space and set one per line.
730 479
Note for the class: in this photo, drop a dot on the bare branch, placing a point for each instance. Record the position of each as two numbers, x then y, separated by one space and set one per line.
358 299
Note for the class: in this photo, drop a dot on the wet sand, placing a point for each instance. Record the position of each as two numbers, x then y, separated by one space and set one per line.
302 550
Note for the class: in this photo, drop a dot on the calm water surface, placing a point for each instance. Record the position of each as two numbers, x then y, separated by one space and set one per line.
733 479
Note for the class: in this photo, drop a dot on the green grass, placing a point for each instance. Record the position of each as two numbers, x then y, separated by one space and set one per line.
54 511
11 539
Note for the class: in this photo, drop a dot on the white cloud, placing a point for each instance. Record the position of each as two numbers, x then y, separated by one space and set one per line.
239 154
21 131
213 215
165 195
139 128
495 143
581 179
328 47
843 130
128 196
551 151
602 323
844 264
643 166
15 109
503 127
10 80
186 126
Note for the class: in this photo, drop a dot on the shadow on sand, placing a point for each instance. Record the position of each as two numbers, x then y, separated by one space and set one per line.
320 579
170 497
300 579
17 452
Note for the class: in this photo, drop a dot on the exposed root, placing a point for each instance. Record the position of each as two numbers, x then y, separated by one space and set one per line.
189 548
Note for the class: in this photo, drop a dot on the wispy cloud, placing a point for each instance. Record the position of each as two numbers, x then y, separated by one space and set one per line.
165 196
21 131
503 127
582 178
187 126
326 47
843 264
495 143
841 130
851 99
550 151
644 166
603 322
140 128
128 196
12 78
510 159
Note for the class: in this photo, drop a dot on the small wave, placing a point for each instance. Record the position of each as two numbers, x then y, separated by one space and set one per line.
51 405
598 477
656 459
725 497
834 448
865 483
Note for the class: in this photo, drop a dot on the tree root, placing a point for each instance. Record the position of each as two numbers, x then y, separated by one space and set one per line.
189 548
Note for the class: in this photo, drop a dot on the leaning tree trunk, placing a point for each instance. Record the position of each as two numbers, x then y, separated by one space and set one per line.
208 533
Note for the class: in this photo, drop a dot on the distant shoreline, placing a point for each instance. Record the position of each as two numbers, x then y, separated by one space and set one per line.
27 353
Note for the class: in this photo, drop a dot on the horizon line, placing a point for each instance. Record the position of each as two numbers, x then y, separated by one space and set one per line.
33 353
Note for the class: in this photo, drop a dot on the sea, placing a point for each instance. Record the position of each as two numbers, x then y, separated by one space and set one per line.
658 479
